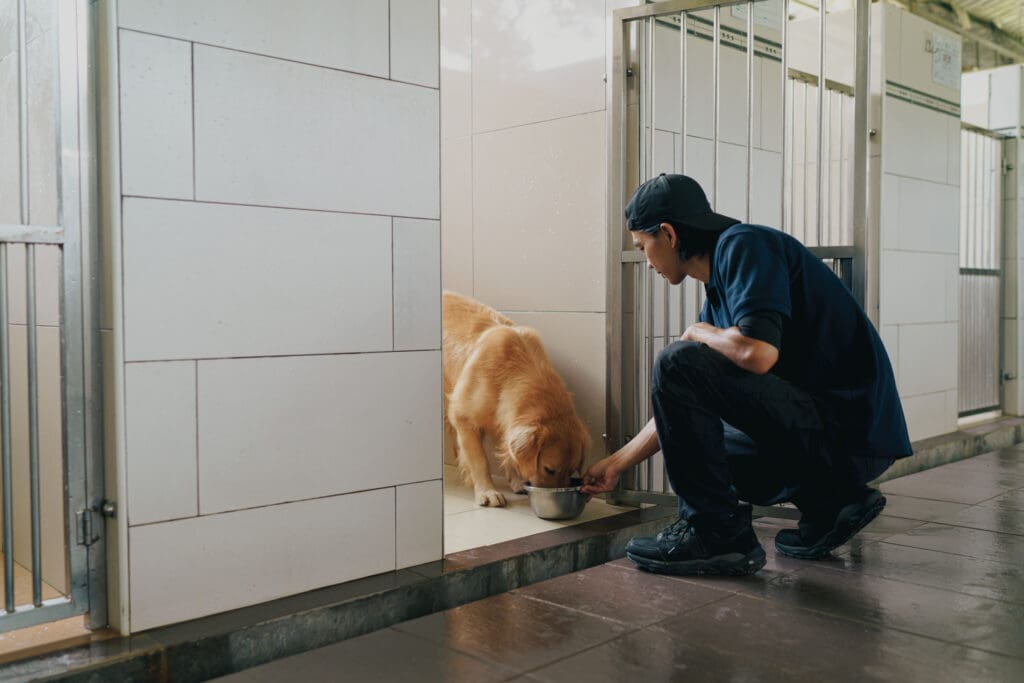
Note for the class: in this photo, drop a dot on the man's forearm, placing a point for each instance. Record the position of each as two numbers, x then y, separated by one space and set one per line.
750 354
640 447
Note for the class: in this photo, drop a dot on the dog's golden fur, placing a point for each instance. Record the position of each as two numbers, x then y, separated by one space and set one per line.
498 381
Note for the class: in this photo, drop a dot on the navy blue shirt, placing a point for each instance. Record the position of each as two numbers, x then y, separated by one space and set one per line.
829 347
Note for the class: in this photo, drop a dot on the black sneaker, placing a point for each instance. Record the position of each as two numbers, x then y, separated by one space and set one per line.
821 533
685 549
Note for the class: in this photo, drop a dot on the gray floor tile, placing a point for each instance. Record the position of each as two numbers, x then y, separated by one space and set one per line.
1014 500
998 519
958 540
955 573
919 508
965 619
623 594
952 486
513 631
747 639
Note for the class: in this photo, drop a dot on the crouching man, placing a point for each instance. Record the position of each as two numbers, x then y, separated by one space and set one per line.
782 392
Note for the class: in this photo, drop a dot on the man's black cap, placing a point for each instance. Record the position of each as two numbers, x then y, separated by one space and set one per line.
675 199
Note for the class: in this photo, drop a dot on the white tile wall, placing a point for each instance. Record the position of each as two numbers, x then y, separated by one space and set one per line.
417 284
414 41
195 567
927 415
156 116
457 215
890 335
558 234
914 140
536 61
928 216
914 286
419 522
316 426
210 280
161 436
928 358
889 211
283 134
1005 102
914 66
350 34
456 53
575 343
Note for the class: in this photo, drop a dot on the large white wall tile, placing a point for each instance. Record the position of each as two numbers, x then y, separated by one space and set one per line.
914 140
1005 98
889 211
667 78
457 215
914 287
156 116
548 253
195 567
350 35
766 189
414 41
456 55
209 280
417 284
536 60
890 335
928 358
418 524
927 416
160 420
928 216
281 429
278 133
915 61
575 343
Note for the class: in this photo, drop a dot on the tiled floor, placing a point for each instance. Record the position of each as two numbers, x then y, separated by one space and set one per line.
467 525
933 590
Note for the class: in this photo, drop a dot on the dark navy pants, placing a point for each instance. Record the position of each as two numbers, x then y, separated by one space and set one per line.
728 434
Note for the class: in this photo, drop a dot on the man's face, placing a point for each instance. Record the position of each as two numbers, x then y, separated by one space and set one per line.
661 252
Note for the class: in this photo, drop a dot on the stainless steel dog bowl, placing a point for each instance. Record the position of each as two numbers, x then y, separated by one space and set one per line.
560 503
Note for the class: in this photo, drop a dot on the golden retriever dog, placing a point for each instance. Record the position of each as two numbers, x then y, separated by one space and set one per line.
499 382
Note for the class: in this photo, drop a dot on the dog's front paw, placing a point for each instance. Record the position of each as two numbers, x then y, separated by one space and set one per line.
490 498
518 486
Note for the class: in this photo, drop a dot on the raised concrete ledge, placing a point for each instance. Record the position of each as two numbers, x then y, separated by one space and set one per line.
966 443
233 641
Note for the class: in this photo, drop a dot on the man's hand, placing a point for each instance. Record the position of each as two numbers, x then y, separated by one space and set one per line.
696 331
602 476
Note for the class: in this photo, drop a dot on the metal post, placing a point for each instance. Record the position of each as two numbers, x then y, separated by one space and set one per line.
33 422
865 288
682 92
5 437
750 103
650 98
785 219
822 11
715 69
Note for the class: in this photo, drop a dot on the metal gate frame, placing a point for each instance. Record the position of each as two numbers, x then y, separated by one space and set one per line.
863 264
81 393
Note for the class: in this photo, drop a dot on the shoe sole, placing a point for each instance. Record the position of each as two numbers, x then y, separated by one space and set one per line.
845 529
733 564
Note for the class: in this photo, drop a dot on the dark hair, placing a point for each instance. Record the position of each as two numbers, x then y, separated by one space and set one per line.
691 242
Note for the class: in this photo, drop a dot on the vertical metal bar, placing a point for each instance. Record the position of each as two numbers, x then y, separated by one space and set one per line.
827 195
822 11
649 280
716 70
682 91
614 335
5 437
843 222
806 220
650 97
750 103
33 422
865 286
787 201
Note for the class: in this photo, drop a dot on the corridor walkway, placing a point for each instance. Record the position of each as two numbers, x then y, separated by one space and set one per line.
933 590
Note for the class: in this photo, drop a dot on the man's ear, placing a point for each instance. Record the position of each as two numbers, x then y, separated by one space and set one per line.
670 230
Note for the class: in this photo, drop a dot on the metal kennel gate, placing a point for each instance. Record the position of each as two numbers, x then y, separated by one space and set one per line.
981 283
805 172
49 291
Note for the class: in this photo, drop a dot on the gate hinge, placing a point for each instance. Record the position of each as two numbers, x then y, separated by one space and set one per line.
86 532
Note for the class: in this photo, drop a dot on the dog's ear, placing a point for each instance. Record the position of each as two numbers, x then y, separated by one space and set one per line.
521 438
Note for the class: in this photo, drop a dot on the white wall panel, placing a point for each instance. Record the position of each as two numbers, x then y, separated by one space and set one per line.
209 280
195 567
156 116
346 34
282 134
273 430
